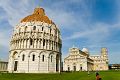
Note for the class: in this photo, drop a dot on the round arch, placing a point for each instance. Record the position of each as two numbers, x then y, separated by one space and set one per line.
57 62
15 55
32 52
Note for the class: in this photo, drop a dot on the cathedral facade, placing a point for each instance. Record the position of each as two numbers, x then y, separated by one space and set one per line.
35 46
81 60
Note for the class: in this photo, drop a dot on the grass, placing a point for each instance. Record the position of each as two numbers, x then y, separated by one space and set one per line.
106 75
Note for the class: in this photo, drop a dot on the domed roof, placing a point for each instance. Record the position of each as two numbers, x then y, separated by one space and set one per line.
85 50
38 15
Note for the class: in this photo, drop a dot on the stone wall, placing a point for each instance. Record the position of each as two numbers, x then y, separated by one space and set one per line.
3 66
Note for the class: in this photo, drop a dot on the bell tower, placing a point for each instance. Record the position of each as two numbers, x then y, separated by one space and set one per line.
104 54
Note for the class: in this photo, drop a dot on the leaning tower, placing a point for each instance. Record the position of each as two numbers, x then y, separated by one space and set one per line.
35 46
104 55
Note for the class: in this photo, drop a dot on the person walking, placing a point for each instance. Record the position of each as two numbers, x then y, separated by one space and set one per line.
98 77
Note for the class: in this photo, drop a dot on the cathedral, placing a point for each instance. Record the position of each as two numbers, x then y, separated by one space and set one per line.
81 60
35 45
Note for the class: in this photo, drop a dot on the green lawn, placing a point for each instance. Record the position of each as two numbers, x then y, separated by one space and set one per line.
106 75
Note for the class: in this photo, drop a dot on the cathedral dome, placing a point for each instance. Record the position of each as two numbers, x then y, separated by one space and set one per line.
38 15
85 50
38 31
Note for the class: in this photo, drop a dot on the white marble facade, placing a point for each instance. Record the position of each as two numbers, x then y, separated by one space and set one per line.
81 60
77 60
35 46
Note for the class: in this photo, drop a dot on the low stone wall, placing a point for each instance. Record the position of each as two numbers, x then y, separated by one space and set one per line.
3 66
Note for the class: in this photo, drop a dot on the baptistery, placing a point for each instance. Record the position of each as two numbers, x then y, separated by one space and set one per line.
35 45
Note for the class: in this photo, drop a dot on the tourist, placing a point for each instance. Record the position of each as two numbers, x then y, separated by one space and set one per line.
97 76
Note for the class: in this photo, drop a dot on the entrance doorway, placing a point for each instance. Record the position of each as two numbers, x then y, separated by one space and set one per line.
15 65
80 68
68 68
74 68
57 63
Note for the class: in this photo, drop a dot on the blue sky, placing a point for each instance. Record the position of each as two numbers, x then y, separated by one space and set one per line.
84 23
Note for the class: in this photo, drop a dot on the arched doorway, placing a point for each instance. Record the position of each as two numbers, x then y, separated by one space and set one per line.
74 67
15 65
57 62
15 60
68 68
80 67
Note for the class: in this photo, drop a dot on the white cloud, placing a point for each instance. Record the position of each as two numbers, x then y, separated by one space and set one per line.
16 10
97 32
62 18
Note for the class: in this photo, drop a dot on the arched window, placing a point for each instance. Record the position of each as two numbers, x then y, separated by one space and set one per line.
50 30
23 57
43 58
43 42
51 58
46 44
52 45
31 41
33 58
34 28
56 46
25 28
42 28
